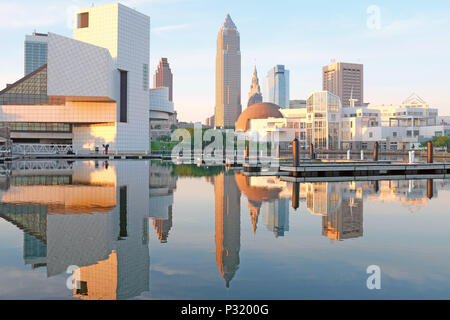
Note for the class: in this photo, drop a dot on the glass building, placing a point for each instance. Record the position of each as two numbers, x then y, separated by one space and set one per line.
30 90
36 48
323 120
278 86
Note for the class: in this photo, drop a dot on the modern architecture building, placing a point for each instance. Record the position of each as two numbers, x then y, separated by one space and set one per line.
93 91
35 51
254 95
163 77
346 80
330 127
228 75
210 122
278 86
162 113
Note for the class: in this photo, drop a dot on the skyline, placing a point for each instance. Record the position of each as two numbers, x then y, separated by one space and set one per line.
412 35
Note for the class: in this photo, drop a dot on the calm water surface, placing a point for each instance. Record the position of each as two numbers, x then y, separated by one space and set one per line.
152 230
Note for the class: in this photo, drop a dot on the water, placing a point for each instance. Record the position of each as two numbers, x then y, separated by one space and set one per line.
151 230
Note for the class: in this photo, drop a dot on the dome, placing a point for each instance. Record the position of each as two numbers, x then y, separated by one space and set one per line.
254 193
262 110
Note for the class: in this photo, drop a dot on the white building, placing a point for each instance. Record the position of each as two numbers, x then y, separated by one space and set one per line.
278 86
94 87
330 127
161 112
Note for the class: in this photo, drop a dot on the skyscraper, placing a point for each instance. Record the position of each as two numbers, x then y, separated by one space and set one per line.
163 77
254 96
278 86
346 80
228 75
36 48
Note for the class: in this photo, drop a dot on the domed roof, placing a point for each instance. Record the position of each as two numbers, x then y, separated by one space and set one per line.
262 110
254 193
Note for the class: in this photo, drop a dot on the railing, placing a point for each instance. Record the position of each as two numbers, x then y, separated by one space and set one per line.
46 149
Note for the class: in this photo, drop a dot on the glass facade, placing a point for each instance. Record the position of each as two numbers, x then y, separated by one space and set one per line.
37 126
278 86
30 90
35 55
323 119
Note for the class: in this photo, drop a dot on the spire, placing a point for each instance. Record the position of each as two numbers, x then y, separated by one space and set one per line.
228 23
254 96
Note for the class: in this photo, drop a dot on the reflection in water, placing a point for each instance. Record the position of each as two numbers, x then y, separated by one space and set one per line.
91 216
96 216
162 185
228 225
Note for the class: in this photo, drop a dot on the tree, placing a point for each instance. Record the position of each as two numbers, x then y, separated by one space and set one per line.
442 141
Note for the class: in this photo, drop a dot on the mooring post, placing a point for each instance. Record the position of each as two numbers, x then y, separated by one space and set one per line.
349 155
430 188
375 152
311 151
277 152
246 154
430 152
295 195
295 153
376 187
362 155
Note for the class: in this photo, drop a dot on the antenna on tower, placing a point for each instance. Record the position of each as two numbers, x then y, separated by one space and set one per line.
352 101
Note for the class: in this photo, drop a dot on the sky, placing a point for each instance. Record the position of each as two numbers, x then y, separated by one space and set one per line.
404 45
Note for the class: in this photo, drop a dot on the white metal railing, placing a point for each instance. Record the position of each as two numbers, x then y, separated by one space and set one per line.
25 149
53 165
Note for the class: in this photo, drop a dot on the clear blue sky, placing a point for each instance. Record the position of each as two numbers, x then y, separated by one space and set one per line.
409 52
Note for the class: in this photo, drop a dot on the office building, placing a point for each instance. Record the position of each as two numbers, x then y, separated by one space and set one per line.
228 75
346 80
35 51
163 77
278 86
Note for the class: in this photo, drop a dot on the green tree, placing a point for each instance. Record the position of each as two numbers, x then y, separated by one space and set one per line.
441 141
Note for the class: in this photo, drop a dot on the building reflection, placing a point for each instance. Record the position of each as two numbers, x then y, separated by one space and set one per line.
227 225
162 184
87 215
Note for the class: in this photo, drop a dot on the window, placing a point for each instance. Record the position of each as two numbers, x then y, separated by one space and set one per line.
123 213
123 96
82 288
394 134
370 134
409 133
83 20
145 77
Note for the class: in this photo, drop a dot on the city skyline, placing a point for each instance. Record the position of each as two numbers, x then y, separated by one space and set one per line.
304 47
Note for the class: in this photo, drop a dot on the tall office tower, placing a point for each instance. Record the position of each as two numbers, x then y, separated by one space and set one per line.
228 225
254 96
278 86
36 48
163 77
346 80
228 75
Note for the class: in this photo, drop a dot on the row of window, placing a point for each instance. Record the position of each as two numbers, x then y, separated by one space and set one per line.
37 126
